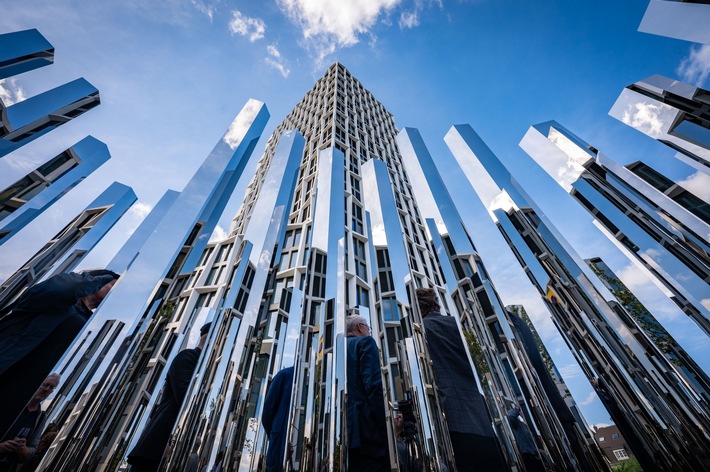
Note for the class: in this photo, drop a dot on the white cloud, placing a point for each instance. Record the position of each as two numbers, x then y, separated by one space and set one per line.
276 60
590 399
243 25
328 24
412 18
271 49
502 201
695 68
234 135
646 117
278 66
409 19
633 277
569 371
10 92
705 302
218 234
202 7
137 214
698 184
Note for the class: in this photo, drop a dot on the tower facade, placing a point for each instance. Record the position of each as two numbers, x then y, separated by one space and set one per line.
353 242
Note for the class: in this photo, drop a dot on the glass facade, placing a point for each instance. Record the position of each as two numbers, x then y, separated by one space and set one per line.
598 331
680 359
29 119
23 51
116 392
672 112
330 226
679 19
24 200
503 367
669 242
67 248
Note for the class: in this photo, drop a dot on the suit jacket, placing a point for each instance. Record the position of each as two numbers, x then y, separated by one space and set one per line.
463 404
35 335
278 402
41 309
156 434
367 429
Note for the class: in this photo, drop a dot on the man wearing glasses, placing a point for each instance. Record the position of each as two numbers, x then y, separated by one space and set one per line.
367 430
20 442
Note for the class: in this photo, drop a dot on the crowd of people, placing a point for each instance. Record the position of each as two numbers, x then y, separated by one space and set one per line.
37 330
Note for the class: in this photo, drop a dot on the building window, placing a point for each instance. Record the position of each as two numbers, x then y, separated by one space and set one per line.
621 454
355 185
360 259
615 436
363 297
357 223
601 438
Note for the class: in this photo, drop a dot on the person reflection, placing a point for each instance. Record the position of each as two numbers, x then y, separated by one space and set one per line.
41 326
45 441
149 449
524 440
367 430
21 441
472 437
275 418
193 462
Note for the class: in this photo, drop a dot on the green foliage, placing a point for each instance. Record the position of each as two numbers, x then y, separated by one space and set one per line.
638 312
546 358
629 465
474 348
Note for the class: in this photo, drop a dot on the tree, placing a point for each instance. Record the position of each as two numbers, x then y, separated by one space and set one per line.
629 465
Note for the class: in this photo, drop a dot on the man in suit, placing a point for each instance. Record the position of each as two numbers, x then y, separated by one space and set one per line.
367 429
20 443
275 418
472 436
39 329
148 451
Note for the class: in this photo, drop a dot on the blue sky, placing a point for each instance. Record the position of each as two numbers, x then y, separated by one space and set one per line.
173 74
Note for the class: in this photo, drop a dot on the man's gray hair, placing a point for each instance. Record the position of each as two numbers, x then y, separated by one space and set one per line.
352 321
55 375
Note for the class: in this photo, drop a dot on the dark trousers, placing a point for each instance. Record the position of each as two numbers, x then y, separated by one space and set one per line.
275 453
141 464
533 463
359 462
474 453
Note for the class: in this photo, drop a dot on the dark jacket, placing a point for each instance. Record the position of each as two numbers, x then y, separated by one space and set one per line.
41 309
367 429
463 404
9 460
35 335
278 402
274 418
156 433
523 437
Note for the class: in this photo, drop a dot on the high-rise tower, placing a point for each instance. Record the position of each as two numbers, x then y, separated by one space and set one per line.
329 227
